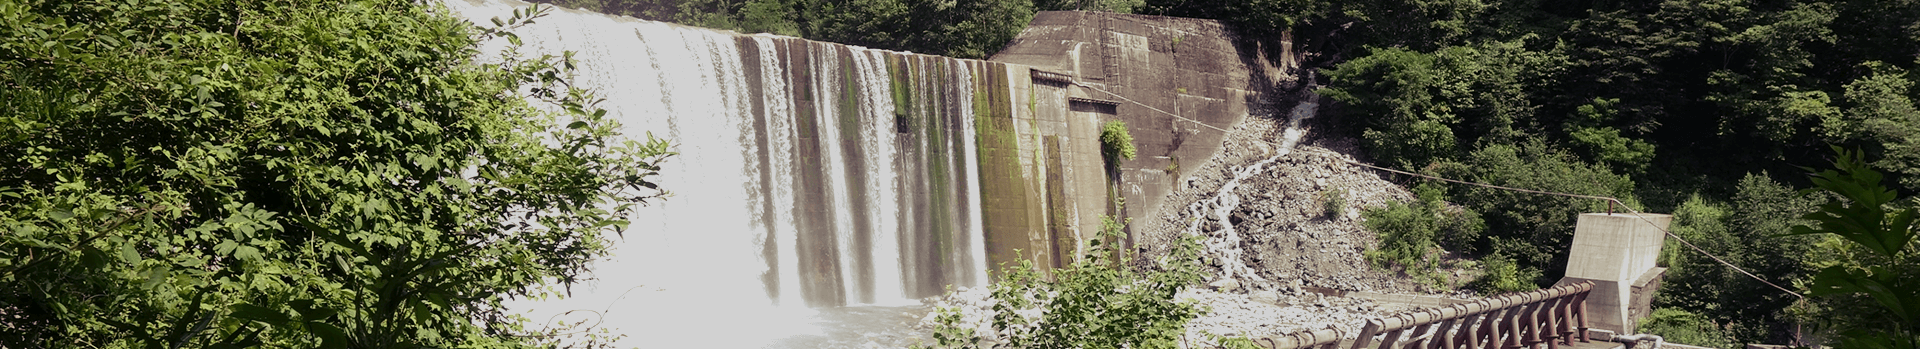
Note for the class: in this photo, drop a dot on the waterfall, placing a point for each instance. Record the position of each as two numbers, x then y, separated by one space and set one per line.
809 175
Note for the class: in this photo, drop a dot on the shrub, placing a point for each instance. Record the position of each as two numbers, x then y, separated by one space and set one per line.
1333 203
1116 143
1502 275
1412 234
1406 237
1680 326
1098 302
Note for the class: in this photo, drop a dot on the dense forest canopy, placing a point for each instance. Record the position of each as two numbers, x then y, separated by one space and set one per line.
1706 109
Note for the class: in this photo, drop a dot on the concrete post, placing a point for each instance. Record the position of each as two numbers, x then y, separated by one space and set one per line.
1617 253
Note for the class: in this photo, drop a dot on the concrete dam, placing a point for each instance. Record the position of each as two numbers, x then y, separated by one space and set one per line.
814 174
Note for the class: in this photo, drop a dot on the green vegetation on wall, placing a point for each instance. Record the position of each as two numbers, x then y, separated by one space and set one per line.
292 174
1116 143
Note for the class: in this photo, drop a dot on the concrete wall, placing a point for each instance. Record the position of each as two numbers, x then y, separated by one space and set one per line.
1617 253
1040 169
1172 80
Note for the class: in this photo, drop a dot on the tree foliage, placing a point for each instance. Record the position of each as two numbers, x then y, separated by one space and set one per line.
1413 235
965 29
1744 230
1886 273
1534 230
289 174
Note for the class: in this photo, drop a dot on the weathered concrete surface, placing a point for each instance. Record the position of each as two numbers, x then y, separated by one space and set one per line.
1617 252
1176 82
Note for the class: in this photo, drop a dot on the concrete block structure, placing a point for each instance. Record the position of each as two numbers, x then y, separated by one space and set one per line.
1174 81
1617 252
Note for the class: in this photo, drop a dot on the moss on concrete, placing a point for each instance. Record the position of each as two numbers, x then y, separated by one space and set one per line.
1001 188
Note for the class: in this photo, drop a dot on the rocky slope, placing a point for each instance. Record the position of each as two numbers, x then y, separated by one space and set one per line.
1285 250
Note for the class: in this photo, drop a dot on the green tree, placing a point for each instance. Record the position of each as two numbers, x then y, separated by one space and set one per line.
1591 131
1883 118
1417 108
1535 230
1745 232
291 173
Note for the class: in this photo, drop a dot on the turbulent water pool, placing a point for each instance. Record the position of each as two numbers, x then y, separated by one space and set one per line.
860 327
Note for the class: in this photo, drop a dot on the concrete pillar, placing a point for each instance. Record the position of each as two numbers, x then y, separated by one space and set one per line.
1617 253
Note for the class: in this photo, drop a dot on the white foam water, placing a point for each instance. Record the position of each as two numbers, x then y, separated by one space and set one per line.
756 231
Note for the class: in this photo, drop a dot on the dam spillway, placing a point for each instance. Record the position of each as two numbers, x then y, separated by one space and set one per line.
813 174
827 174
821 174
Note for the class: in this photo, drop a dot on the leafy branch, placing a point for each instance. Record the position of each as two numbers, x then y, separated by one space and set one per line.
1866 219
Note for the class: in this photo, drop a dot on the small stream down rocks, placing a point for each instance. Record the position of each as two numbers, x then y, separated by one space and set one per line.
1223 242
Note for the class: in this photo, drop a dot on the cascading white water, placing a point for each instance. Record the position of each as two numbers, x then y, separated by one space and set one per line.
799 181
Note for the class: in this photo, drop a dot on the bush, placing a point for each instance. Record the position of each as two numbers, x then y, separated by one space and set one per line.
1116 143
1333 203
1406 238
1680 326
1411 234
1502 275
1098 302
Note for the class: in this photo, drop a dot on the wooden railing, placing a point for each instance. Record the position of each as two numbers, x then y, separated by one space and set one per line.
1553 317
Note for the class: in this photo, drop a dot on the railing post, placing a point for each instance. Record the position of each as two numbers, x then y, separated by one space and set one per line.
1442 336
1536 314
1334 341
1468 337
1580 312
1512 324
1494 322
1432 333
1551 327
1366 334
